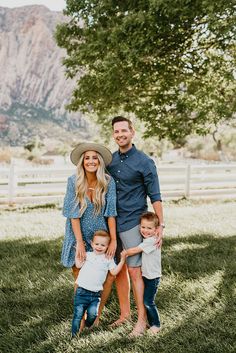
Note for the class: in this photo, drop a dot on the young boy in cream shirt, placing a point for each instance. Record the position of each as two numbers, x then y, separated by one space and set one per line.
151 267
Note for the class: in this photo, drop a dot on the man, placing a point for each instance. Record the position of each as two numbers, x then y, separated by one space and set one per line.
136 178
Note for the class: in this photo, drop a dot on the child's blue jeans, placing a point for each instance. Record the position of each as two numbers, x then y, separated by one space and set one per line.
85 300
150 290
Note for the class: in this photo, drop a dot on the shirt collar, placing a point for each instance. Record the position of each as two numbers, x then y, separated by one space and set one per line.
129 153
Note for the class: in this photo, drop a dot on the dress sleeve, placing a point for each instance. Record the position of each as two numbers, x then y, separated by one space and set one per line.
110 207
70 205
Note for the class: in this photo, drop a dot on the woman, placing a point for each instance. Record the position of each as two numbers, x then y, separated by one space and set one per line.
89 204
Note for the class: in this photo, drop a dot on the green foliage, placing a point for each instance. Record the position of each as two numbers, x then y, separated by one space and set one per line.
169 62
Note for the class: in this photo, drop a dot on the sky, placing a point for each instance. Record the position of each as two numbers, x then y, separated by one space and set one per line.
55 5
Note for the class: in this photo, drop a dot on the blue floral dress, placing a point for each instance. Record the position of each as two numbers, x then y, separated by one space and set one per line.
89 222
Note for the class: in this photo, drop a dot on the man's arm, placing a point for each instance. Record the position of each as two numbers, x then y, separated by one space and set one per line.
157 206
151 182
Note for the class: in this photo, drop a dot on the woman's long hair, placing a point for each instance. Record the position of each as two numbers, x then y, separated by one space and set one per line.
81 185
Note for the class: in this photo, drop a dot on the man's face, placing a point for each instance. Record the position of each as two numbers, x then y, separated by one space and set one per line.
122 134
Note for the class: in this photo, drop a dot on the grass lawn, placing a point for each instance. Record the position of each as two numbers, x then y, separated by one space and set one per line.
196 299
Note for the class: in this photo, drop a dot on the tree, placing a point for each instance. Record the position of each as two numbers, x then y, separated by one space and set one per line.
171 63
35 149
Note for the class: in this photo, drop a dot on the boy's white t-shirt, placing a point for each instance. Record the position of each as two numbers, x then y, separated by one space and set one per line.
94 270
151 258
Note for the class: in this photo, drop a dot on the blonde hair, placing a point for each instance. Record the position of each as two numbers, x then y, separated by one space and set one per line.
81 185
102 233
150 217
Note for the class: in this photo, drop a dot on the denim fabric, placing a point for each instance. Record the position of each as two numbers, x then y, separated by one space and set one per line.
150 290
85 301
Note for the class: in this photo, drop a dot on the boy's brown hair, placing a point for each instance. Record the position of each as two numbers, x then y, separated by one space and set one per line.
120 118
150 217
102 233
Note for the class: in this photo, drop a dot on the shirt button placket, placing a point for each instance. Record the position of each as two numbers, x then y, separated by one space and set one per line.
119 171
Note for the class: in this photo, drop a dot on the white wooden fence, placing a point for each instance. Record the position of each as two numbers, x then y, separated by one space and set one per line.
47 184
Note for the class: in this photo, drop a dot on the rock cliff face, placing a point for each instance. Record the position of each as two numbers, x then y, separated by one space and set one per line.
33 87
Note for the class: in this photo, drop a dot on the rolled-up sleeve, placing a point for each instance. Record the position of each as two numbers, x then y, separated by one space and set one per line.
151 181
110 208
70 205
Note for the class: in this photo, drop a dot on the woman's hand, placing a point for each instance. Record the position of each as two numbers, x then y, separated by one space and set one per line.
111 249
80 252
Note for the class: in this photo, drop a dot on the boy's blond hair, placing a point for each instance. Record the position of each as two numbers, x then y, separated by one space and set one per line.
150 217
102 233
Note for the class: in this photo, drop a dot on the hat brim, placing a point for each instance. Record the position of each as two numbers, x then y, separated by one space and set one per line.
89 146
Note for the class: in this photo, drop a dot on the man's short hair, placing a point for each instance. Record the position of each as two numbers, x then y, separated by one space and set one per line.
150 217
102 233
120 118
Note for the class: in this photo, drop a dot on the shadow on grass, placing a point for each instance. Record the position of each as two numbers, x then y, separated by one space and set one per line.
196 300
200 264
35 292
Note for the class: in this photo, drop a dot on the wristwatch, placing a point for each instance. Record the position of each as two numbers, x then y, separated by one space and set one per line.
162 225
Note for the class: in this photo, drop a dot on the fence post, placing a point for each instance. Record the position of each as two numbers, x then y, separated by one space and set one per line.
187 181
12 183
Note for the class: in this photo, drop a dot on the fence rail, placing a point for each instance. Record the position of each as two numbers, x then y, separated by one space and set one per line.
47 184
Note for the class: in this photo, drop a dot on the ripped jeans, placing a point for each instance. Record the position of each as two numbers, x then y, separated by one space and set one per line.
150 290
85 301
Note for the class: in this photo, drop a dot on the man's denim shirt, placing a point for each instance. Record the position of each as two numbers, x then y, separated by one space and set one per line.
136 178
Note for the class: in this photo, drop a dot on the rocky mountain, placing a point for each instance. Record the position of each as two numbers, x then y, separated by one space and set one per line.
33 87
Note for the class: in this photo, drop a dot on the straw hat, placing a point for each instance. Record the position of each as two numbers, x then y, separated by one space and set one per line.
90 146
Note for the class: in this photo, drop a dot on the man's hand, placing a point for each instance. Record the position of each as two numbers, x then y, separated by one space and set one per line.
159 234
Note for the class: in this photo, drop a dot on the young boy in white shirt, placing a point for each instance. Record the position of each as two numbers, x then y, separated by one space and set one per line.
90 280
151 267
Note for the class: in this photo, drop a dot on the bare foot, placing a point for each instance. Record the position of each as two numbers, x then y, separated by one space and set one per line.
138 329
154 330
119 322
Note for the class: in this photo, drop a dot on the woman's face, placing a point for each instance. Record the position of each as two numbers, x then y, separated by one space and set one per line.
91 161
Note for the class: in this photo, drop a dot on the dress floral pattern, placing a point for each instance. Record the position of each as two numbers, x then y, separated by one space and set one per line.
89 222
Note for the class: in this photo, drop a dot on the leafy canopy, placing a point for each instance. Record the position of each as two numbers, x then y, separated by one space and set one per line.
170 62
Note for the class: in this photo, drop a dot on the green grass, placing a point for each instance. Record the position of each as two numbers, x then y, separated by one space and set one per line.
196 299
